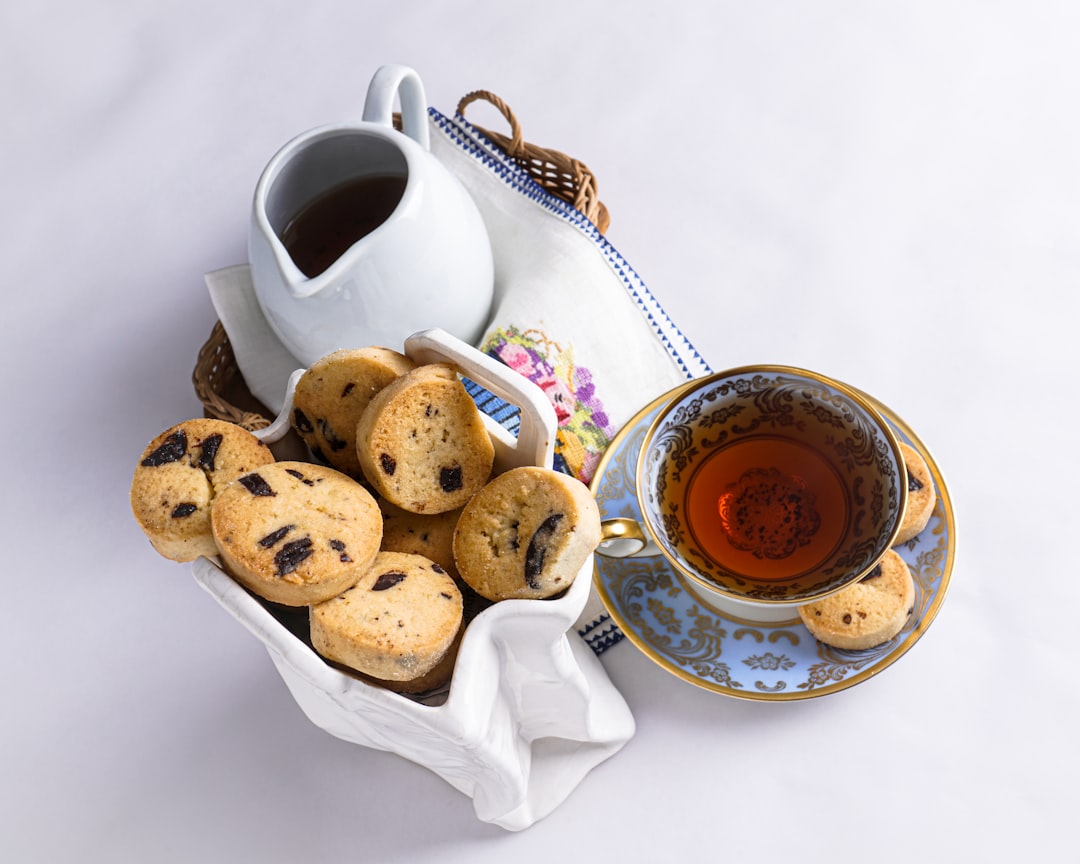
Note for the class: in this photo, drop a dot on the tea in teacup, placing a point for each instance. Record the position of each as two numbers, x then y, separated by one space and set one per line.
766 507
768 487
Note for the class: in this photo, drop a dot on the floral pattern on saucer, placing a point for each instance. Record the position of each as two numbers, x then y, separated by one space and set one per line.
672 626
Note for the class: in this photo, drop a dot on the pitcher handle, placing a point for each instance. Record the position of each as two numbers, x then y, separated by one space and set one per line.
390 81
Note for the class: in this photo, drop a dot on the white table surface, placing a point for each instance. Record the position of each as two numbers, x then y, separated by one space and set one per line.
885 192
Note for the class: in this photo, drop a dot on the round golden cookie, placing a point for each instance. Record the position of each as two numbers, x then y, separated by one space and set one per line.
867 613
422 443
438 676
177 477
396 624
427 534
526 534
921 496
296 533
332 394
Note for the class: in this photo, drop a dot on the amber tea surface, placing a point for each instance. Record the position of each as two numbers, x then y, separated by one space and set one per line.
325 228
767 508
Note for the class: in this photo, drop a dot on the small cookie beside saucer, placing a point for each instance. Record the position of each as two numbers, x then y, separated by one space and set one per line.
868 613
179 474
921 496
332 394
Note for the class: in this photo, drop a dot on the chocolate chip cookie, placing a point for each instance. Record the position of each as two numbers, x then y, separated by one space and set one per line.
868 613
397 623
332 394
422 444
296 533
921 496
179 474
526 534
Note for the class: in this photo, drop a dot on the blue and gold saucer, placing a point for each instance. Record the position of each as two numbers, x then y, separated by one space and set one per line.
711 649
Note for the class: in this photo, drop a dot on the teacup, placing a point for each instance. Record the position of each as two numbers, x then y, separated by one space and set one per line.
765 487
360 236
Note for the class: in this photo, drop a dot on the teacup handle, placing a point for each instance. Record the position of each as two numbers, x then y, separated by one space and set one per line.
625 538
388 82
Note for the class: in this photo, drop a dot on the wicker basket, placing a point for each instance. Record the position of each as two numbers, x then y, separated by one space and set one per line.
216 378
561 175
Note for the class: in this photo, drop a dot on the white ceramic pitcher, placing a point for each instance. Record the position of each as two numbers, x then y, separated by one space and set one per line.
427 264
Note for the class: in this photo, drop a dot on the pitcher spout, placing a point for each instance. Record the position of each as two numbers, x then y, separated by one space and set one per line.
304 287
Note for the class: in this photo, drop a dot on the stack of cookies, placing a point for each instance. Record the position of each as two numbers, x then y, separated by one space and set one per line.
393 530
876 608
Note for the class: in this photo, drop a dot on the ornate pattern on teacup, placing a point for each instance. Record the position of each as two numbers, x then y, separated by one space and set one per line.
767 535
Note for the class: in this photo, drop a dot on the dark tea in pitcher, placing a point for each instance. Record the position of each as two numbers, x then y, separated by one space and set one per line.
767 508
325 228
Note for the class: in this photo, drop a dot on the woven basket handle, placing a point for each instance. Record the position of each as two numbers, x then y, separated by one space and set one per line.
517 142
561 175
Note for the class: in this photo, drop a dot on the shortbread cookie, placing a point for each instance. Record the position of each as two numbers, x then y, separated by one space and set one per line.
427 534
397 623
296 533
439 675
422 443
526 534
332 394
920 497
179 474
867 613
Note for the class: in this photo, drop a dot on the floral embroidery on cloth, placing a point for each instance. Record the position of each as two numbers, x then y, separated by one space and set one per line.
584 430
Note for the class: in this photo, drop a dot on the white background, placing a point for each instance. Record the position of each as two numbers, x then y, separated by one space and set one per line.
885 192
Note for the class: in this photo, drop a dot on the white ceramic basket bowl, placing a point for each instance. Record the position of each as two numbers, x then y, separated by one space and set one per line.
530 709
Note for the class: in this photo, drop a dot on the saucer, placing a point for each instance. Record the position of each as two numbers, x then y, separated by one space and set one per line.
680 631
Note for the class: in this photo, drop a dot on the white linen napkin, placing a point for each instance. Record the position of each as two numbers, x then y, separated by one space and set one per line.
569 313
